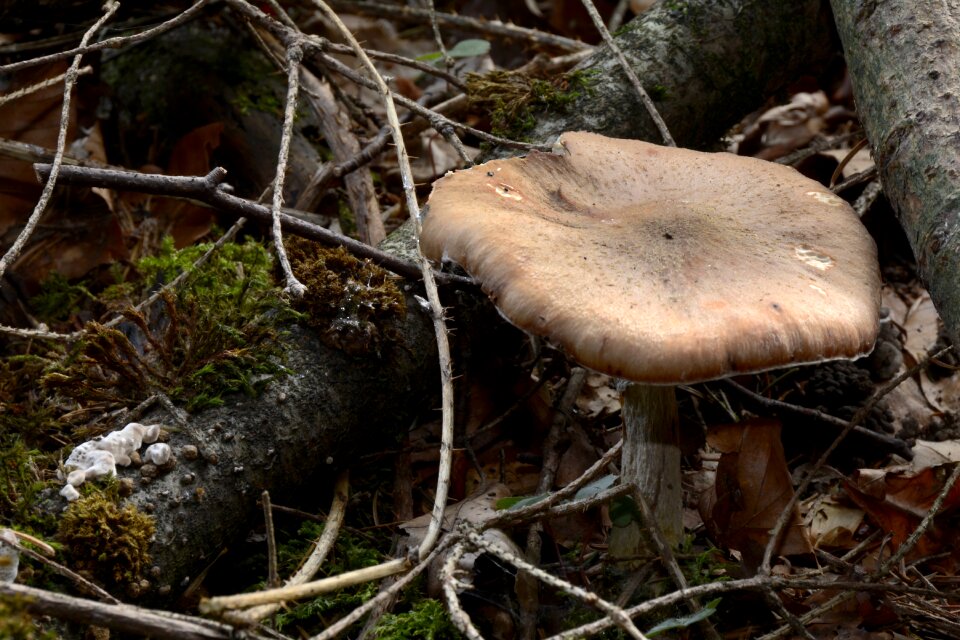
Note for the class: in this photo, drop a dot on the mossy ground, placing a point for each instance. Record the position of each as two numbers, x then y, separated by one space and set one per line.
214 336
217 333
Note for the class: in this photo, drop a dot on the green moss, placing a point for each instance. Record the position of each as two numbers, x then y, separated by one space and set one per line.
427 620
216 334
29 438
354 305
658 93
16 623
350 552
513 99
58 299
107 542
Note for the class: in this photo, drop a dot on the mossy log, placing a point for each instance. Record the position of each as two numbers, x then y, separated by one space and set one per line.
329 409
706 64
903 60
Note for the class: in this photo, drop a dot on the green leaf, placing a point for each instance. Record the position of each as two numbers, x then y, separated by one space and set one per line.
623 511
463 49
680 623
518 502
595 487
469 48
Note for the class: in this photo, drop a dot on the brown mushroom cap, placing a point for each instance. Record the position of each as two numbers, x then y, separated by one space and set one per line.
662 265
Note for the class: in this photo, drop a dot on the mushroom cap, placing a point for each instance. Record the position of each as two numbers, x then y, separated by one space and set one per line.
662 265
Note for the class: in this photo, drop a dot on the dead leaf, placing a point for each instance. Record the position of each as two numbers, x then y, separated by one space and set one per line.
921 325
830 523
896 500
475 509
861 160
930 454
599 396
752 487
191 156
34 119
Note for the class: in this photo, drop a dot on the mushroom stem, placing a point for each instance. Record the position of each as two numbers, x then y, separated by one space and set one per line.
651 453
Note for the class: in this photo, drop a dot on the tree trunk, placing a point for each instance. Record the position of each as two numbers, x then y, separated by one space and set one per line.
903 59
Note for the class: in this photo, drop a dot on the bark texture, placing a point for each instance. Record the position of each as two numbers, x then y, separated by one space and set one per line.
706 63
903 59
330 408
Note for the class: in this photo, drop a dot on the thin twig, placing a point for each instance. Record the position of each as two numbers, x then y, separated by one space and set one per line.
452 584
219 604
79 581
588 597
888 565
787 513
49 82
665 551
273 579
894 444
345 622
494 27
436 120
512 516
294 55
530 604
110 43
393 58
205 189
429 283
437 37
124 618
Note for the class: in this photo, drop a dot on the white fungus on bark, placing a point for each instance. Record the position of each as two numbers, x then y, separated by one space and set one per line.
99 457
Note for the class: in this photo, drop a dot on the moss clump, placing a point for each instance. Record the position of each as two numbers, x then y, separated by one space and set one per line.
58 298
17 624
512 99
216 334
29 434
107 542
427 620
350 552
354 305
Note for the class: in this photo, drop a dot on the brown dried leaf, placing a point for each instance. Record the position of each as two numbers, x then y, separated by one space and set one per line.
896 500
191 156
830 523
34 119
752 487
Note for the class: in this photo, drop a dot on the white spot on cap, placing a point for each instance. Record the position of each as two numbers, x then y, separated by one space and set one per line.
825 198
813 258
507 191
818 290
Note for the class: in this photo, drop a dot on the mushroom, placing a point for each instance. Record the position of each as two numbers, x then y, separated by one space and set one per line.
661 266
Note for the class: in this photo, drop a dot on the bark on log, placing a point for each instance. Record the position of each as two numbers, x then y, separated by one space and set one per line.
331 407
705 63
903 59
